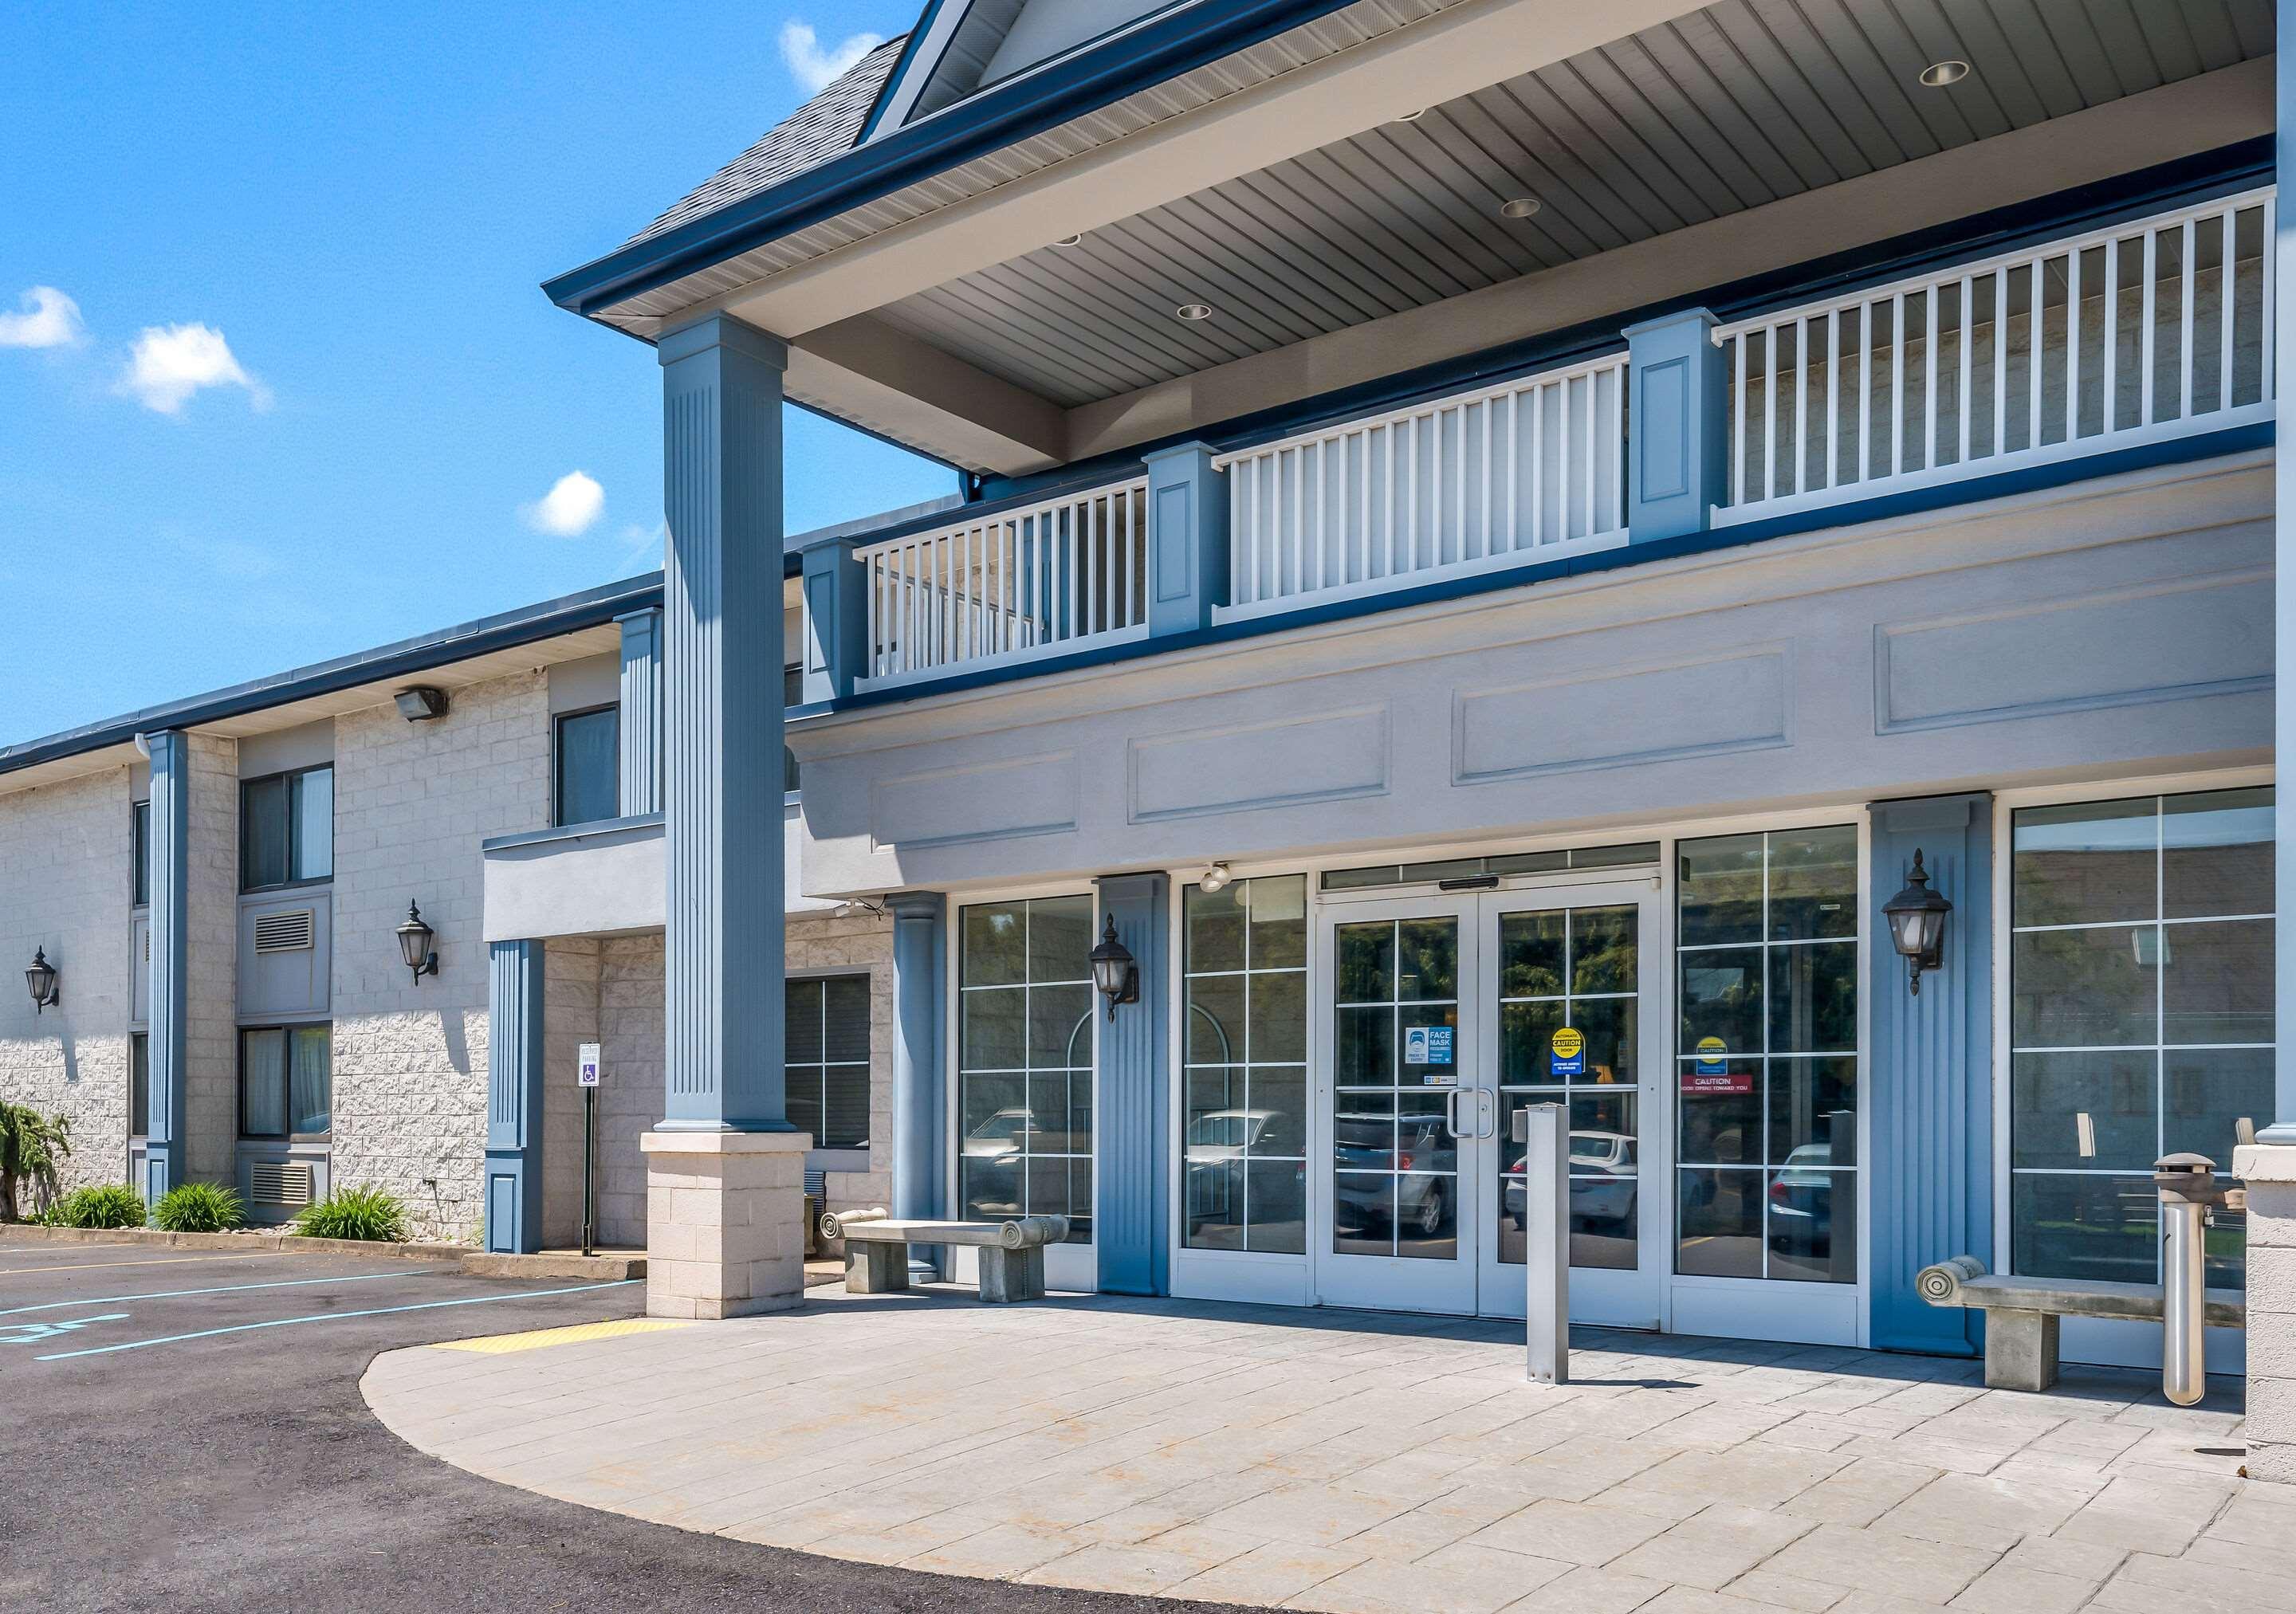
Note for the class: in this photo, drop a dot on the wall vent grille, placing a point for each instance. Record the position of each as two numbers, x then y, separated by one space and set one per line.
288 932
279 1181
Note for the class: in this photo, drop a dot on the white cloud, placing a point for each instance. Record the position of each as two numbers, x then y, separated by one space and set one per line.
172 363
816 68
50 320
570 508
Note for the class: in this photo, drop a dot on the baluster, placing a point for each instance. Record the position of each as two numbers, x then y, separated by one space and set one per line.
1968 333
2110 416
2000 358
2223 317
2187 277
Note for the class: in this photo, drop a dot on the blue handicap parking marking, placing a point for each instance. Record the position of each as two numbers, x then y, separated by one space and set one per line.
40 1333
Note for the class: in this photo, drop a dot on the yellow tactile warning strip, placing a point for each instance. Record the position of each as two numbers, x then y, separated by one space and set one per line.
495 1345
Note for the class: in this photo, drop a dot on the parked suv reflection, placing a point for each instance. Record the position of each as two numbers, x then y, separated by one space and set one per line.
1605 1198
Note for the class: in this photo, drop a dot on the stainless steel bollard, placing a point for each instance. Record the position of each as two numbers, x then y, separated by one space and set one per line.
1545 1131
2187 1186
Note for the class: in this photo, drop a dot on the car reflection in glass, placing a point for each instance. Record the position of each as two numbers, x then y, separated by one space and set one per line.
995 1153
1604 1182
1417 1203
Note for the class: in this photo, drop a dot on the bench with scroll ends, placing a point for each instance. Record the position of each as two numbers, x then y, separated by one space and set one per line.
1012 1253
2020 1313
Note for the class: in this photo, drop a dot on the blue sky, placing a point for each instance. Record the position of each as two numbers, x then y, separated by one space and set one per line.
311 398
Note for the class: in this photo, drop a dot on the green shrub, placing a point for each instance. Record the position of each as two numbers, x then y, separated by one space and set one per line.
109 1205
355 1213
199 1207
32 1147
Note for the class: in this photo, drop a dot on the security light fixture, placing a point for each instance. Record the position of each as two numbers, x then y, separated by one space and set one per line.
1521 207
1070 240
1916 917
421 703
415 944
40 975
1114 971
1194 312
1215 878
853 907
1937 75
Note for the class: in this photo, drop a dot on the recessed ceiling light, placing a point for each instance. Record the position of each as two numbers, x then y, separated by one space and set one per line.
1939 74
1193 312
1068 241
1521 207
1413 116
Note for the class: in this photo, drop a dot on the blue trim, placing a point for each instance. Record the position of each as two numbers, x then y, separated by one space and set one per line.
631 828
997 117
919 31
2178 451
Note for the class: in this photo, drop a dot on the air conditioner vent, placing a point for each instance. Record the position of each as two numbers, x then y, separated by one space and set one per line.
816 1183
288 932
279 1181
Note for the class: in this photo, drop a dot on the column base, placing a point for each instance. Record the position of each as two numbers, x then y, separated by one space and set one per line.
725 1223
2269 1171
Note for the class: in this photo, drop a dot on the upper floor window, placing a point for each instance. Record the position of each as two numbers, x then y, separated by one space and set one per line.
287 829
587 786
140 838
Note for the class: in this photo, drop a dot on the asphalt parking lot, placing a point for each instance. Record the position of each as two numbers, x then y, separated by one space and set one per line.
183 1429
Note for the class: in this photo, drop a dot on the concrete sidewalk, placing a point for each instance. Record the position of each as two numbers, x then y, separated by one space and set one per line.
1338 1461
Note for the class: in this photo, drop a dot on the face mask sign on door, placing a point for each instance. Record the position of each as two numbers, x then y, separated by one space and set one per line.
1430 1049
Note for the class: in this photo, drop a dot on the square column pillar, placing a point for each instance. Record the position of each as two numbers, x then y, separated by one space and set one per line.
2268 1165
169 987
719 1211
1678 453
836 620
515 1075
1134 1170
640 713
920 1113
1187 539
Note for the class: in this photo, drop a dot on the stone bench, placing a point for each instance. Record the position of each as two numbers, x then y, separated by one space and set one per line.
2021 1330
1012 1253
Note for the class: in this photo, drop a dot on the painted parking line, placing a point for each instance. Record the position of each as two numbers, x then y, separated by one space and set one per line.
334 1316
221 1288
40 1333
497 1345
252 1255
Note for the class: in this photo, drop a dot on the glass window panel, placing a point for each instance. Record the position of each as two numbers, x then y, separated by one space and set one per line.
1614 857
1060 938
1533 955
1279 1206
1813 1109
845 1115
313 856
996 944
1352 879
1052 1130
1719 882
1215 1201
1215 922
845 1009
1528 863
2085 1111
2216 983
1279 1016
1602 1131
2084 863
1422 1133
1814 998
139 1084
1364 1055
1279 1107
263 1084
995 1114
263 832
310 1079
1608 1026
1216 1004
2077 1226
1363 1213
2083 988
803 1099
1079 1200
140 838
1722 998
994 1022
1721 1116
1449 868
1526 1040
1814 883
2216 854
1366 971
1720 1218
1362 1132
1048 1187
2206 1094
1427 960
1216 1119
1435 1071
801 1022
993 1186
1279 922
1812 1225
1427 1218
1604 952
1060 1025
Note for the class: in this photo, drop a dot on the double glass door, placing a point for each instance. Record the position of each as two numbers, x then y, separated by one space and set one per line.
1447 1014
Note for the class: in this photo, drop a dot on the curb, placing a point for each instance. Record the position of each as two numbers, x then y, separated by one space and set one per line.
474 1263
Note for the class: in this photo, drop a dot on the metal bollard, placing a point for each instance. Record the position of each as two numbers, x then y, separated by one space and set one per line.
1545 1131
2187 1186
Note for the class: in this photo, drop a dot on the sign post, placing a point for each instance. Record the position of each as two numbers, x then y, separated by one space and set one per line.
587 1064
1546 1135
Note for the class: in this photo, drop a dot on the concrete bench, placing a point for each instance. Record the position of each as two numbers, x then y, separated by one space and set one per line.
2020 1329
1012 1253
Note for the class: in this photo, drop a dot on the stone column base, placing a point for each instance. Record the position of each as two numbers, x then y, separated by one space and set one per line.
725 1223
2269 1171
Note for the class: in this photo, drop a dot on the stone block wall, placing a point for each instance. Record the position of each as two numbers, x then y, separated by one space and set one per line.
412 802
630 1097
211 963
569 1018
66 885
2270 1174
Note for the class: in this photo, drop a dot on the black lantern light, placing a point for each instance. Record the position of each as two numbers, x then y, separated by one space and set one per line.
1916 917
40 975
1114 970
415 944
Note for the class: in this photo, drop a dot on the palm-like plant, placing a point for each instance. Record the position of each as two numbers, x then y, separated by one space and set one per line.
32 1147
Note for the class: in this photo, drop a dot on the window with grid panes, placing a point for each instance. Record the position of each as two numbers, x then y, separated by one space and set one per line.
1245 1133
827 1030
1025 1005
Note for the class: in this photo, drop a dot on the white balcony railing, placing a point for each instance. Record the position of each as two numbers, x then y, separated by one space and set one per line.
2135 333
1010 586
1530 469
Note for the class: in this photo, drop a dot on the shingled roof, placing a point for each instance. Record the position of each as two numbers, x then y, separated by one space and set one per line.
824 128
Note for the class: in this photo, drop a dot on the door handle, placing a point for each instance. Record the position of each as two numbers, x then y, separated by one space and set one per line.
1451 1113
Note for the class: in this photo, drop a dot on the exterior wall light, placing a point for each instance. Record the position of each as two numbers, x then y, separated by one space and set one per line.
1916 917
1215 878
421 703
1114 971
40 975
415 944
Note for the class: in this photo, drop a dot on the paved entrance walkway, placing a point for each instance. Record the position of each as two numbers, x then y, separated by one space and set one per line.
1335 1461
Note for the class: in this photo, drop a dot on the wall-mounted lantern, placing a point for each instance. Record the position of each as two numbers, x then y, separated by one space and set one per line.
40 975
1114 970
415 944
1916 917
422 703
